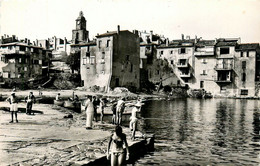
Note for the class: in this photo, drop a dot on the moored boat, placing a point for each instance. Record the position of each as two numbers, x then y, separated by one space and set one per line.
58 102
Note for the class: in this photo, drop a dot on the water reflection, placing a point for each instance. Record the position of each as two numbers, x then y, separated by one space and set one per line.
201 132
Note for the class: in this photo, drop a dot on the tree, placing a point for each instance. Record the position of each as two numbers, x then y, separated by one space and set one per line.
73 60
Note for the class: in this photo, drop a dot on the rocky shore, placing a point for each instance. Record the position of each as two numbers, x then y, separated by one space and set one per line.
47 138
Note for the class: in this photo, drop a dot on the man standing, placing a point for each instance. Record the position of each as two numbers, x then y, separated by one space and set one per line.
120 107
13 106
30 99
134 119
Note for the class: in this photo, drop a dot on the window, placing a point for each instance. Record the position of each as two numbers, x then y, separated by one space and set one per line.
204 72
161 52
171 52
25 68
103 55
243 64
224 50
88 54
241 54
182 51
22 48
247 54
92 60
244 92
36 62
172 62
204 61
84 61
201 84
131 68
20 60
40 62
158 72
108 43
99 43
243 77
127 57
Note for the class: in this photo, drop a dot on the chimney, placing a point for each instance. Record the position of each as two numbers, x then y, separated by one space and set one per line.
151 35
36 42
28 42
118 29
167 42
25 40
182 36
196 39
187 37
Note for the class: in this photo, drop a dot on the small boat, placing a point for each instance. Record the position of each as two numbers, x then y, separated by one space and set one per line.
58 102
75 105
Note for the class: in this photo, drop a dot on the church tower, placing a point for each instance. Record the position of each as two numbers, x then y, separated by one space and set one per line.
80 34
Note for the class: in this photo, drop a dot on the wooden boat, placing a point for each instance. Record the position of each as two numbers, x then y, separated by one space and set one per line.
75 105
58 102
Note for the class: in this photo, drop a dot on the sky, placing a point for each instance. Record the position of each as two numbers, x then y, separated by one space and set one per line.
209 19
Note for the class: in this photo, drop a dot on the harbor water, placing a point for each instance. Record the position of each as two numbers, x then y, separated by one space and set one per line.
202 132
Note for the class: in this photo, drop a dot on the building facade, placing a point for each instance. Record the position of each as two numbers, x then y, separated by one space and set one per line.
111 61
22 61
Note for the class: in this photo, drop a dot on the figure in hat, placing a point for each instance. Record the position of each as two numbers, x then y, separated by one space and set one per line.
134 119
120 107
13 106
30 99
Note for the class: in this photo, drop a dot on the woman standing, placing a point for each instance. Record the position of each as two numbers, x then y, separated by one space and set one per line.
89 112
116 149
101 108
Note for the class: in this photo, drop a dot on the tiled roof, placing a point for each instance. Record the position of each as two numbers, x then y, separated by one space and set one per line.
247 46
19 44
226 43
91 43
111 33
205 43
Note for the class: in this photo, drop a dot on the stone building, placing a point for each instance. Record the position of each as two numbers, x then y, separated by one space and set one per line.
154 69
111 61
22 61
180 54
205 61
225 73
246 69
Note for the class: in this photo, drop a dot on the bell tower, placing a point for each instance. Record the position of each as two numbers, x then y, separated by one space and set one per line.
80 34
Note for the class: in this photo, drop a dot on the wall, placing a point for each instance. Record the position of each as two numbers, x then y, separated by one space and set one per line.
249 82
126 61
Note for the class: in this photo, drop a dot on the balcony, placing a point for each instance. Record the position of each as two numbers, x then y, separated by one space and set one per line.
226 67
222 81
12 51
182 65
185 75
204 53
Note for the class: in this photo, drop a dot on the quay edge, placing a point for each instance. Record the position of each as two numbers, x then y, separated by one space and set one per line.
137 149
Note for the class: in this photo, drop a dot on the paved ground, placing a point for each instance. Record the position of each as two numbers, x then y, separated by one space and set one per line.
47 138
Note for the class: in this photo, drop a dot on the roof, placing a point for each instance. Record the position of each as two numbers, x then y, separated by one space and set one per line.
111 33
19 44
247 46
91 43
226 43
205 43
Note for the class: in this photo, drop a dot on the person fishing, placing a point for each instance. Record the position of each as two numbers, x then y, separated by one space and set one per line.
116 152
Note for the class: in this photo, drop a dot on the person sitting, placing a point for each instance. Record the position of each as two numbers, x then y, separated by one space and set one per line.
58 97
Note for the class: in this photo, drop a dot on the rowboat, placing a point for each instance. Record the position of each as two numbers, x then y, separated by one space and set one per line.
58 102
